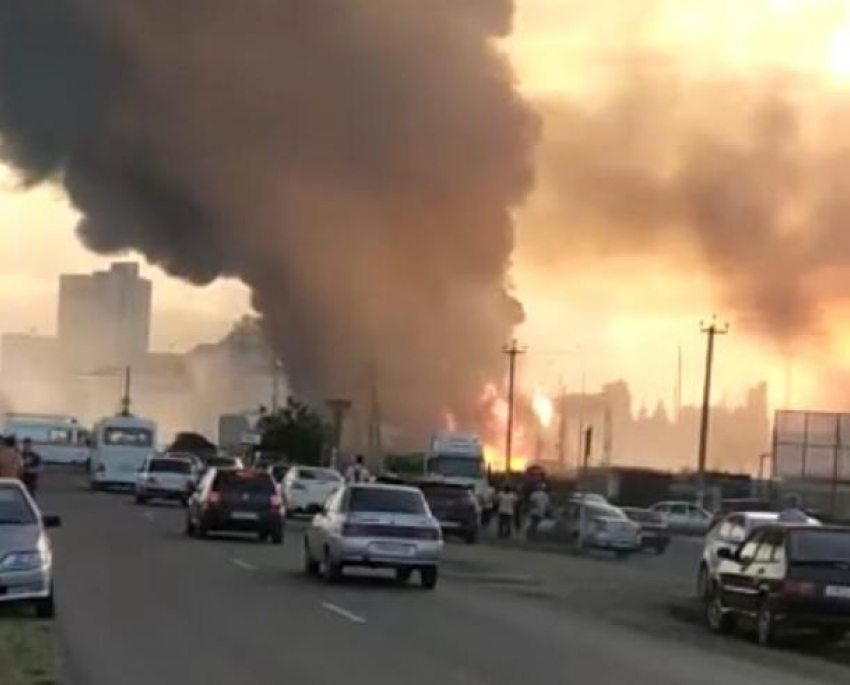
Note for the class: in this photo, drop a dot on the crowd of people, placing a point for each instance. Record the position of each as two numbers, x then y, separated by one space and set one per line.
22 463
512 509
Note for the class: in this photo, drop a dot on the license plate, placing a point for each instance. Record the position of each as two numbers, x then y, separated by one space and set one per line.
244 516
393 548
838 591
449 524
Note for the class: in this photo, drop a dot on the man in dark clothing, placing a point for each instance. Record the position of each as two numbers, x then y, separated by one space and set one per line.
32 466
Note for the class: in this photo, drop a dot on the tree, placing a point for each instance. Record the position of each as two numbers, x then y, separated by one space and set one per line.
296 431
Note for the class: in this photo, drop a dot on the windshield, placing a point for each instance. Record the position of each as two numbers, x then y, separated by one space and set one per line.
224 462
128 437
456 467
324 475
14 507
170 466
385 500
241 481
820 545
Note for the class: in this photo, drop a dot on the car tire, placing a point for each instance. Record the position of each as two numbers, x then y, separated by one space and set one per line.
311 566
190 529
718 618
141 499
331 570
402 575
621 554
765 624
703 586
471 538
201 530
429 577
276 537
660 548
46 608
830 635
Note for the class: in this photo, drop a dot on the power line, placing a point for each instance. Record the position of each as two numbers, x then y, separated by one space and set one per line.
512 350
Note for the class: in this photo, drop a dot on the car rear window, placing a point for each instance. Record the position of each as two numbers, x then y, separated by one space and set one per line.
243 481
385 500
820 545
324 475
14 508
170 466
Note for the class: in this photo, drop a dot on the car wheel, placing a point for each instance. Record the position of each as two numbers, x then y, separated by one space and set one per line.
831 634
141 499
331 570
471 538
46 608
621 554
276 537
660 548
703 589
429 577
720 620
765 624
311 566
190 527
402 575
201 530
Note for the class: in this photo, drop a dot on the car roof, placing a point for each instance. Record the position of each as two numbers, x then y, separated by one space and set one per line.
383 486
11 482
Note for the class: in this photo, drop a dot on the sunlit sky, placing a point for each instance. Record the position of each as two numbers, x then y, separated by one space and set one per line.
599 321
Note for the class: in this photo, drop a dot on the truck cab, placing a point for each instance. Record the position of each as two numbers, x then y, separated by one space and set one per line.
458 458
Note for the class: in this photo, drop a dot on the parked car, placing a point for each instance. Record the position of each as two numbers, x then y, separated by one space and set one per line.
729 533
600 526
653 528
169 478
785 577
236 500
375 526
684 517
455 507
278 471
26 560
306 488
224 462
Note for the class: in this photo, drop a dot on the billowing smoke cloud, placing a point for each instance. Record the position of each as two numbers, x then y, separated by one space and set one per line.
355 163
751 173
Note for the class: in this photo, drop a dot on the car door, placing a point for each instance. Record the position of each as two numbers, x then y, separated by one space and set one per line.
199 495
729 534
736 575
318 533
678 518
698 519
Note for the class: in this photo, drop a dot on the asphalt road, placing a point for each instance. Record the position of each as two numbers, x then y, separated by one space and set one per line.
139 603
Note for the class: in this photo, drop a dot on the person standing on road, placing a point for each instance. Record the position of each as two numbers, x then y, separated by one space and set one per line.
506 503
32 466
11 464
357 472
540 504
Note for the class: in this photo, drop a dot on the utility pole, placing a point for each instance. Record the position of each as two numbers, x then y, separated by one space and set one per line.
339 408
677 395
276 366
125 400
711 330
512 350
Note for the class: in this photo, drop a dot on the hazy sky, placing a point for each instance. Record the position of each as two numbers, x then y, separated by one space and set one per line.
617 316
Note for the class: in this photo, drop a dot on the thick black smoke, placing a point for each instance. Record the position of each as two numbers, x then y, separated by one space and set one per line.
355 162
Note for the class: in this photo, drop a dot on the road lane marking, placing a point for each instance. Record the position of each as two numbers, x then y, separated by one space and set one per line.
345 613
243 564
148 515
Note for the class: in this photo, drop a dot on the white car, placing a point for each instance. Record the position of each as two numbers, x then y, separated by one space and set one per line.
375 526
684 517
305 489
171 478
728 533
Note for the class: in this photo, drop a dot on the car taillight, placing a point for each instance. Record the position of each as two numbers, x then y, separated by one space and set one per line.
276 502
799 588
214 499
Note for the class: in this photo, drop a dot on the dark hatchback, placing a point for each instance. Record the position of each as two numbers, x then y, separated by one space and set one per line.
236 500
454 506
783 578
653 528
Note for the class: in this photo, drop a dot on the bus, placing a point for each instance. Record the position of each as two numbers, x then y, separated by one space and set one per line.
59 439
120 445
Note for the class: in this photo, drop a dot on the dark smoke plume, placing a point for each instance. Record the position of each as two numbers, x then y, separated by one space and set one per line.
753 174
354 162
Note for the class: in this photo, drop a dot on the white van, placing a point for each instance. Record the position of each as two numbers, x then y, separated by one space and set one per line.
57 438
120 446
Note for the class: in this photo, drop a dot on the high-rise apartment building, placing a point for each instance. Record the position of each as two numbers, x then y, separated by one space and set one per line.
104 317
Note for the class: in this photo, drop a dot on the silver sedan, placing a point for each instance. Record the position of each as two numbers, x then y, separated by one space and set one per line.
26 564
375 526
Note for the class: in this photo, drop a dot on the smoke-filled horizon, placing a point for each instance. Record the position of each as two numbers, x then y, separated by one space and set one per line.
354 163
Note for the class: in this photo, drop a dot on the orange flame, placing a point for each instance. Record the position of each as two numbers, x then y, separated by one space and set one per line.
543 407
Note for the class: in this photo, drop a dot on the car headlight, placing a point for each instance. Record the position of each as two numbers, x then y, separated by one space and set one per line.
24 561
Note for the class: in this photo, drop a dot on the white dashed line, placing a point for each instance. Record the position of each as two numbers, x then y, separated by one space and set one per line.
243 565
345 613
148 515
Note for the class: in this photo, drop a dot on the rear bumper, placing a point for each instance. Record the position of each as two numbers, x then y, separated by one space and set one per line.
25 586
162 493
614 544
377 553
268 523
814 613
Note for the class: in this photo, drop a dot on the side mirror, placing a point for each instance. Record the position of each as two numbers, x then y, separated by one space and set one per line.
51 521
726 553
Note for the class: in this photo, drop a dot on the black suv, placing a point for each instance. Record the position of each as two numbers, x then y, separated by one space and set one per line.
784 577
454 506
237 500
